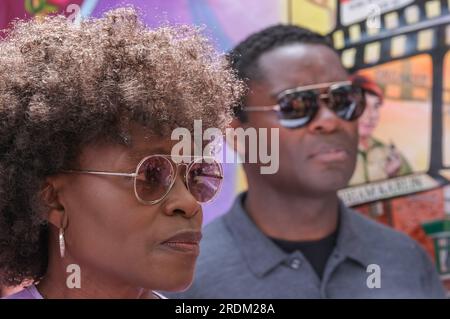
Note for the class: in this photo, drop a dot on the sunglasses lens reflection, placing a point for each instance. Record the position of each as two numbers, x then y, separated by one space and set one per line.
299 108
156 174
154 177
204 180
347 102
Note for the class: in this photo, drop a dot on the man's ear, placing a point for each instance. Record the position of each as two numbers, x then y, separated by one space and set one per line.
54 210
235 123
232 137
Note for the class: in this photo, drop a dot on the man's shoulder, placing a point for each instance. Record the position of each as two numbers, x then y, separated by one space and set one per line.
382 238
400 256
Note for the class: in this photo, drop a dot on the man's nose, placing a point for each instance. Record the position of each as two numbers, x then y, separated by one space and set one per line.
325 122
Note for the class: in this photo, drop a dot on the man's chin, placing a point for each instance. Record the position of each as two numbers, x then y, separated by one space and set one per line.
327 183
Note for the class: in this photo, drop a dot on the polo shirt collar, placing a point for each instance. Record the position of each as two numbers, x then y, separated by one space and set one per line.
263 255
260 253
353 242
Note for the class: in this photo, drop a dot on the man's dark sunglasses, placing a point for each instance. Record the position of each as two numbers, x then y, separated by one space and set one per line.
298 106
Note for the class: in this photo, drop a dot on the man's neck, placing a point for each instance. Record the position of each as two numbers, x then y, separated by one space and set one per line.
292 217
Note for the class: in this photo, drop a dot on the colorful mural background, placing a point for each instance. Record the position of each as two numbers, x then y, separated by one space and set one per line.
409 109
406 82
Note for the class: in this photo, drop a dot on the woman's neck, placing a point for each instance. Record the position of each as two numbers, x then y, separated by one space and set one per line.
56 284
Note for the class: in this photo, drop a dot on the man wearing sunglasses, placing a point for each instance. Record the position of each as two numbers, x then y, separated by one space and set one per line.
289 236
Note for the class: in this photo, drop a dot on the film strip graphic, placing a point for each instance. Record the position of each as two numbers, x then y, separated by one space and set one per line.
415 28
421 27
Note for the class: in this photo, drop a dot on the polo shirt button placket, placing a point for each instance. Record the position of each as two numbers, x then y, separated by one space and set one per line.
295 263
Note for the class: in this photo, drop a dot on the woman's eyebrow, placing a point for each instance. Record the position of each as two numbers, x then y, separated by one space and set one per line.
139 155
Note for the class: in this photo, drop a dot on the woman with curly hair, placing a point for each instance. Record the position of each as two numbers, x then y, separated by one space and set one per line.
87 185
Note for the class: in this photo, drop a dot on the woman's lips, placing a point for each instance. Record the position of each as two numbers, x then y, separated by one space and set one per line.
183 247
185 241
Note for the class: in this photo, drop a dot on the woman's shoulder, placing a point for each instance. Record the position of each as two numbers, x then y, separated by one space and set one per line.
29 292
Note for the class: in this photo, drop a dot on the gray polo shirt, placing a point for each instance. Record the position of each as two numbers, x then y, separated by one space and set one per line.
238 261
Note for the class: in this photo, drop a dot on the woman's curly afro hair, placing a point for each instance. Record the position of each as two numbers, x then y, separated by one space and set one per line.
63 86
